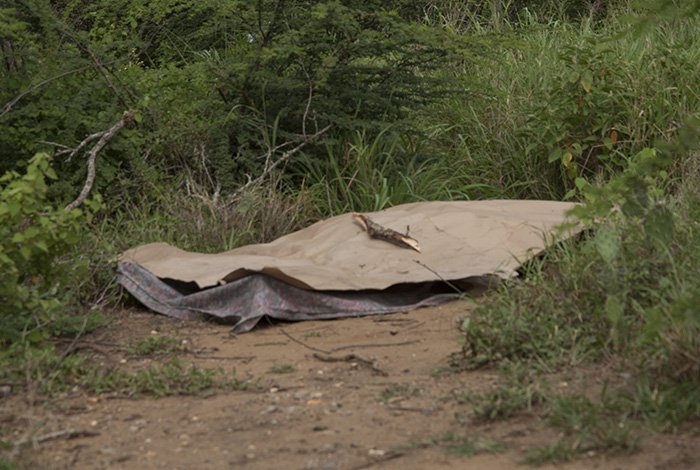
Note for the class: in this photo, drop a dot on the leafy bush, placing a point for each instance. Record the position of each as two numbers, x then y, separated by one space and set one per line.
626 290
36 240
560 101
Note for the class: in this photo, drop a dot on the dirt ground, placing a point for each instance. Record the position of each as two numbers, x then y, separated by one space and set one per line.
383 402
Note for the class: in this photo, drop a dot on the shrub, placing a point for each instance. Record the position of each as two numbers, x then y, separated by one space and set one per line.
35 240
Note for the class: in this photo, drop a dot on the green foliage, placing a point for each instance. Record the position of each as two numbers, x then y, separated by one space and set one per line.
365 173
226 82
520 391
624 290
462 444
172 378
282 369
586 427
154 346
567 101
466 446
400 391
37 280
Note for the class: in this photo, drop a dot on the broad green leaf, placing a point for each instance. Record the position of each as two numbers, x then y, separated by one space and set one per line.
587 80
607 244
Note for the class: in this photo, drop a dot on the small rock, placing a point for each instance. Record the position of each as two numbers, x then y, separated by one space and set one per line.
377 452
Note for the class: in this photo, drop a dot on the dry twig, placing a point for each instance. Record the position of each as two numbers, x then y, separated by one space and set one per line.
302 343
270 165
375 345
374 230
353 358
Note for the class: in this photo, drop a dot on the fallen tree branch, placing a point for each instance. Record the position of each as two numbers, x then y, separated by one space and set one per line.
104 136
374 230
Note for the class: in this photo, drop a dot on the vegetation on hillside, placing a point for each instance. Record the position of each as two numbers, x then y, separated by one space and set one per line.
243 121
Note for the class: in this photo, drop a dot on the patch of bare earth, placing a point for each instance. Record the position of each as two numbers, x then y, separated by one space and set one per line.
372 392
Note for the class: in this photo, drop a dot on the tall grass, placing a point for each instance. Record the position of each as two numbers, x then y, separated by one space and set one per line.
564 100
557 101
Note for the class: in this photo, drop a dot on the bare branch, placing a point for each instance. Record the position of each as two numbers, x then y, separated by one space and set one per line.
269 167
374 230
103 71
92 155
55 144
82 144
308 101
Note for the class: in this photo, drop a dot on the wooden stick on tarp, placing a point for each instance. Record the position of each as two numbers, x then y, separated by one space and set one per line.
374 230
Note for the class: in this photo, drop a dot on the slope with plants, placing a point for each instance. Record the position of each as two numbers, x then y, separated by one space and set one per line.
253 119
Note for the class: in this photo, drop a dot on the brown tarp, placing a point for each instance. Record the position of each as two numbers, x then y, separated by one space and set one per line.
459 239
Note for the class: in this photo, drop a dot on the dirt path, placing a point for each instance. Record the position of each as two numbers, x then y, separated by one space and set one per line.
367 392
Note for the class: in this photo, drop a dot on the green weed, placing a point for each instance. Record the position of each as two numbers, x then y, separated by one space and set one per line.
521 390
282 369
553 453
399 391
5 464
462 445
154 346
587 427
468 447
171 378
51 373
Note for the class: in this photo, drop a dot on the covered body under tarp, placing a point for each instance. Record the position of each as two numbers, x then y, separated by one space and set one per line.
332 269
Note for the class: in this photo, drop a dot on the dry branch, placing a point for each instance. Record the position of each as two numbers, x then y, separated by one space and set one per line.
374 230
104 136
352 358
270 165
